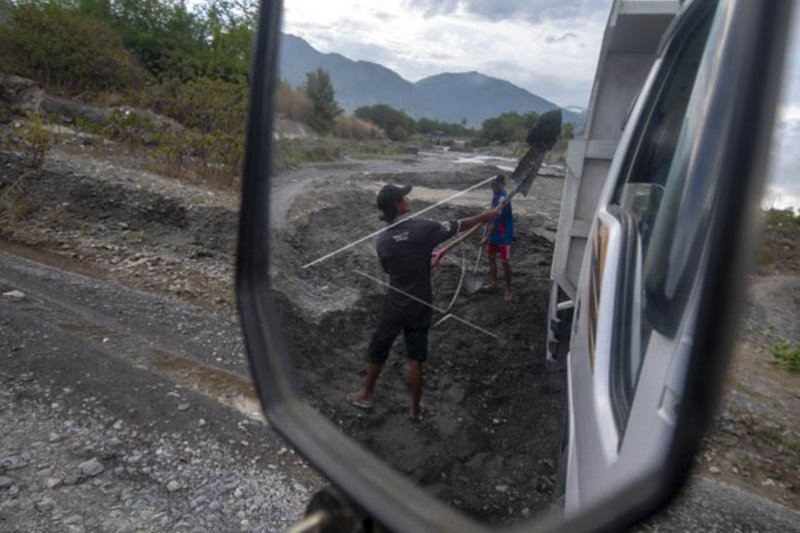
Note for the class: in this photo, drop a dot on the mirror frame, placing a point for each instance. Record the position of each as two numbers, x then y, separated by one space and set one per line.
756 51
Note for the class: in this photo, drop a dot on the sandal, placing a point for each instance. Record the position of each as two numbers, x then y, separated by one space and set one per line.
415 418
355 399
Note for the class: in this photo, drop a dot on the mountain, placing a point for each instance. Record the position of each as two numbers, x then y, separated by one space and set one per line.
357 83
448 97
476 97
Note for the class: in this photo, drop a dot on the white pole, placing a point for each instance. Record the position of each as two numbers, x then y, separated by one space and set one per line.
373 234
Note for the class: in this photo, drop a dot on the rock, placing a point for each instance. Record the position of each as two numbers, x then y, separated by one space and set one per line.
214 506
71 479
183 407
227 487
46 504
173 485
55 437
526 513
14 295
52 482
501 488
13 491
5 482
73 519
13 462
713 469
92 468
71 110
18 95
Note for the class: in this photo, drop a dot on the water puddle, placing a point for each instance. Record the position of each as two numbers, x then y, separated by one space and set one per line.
223 386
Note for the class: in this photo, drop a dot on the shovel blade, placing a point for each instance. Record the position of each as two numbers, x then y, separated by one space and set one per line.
473 283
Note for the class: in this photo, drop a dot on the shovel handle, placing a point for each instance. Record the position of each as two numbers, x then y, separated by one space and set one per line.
436 256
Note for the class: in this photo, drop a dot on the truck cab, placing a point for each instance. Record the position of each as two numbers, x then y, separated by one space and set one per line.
629 245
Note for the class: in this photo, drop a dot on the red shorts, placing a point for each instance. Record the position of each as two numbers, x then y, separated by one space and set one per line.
503 249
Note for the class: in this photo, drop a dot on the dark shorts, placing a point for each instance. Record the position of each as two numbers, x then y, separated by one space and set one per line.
416 336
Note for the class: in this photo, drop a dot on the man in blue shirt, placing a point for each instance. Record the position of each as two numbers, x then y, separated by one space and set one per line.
501 236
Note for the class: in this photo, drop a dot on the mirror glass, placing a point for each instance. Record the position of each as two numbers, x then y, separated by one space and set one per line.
395 135
372 96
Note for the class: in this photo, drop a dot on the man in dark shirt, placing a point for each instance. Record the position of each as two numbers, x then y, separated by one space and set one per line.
405 251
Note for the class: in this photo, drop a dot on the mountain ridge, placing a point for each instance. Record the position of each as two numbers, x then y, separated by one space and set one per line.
448 96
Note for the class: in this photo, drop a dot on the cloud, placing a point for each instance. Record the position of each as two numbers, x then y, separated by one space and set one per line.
557 39
553 58
494 10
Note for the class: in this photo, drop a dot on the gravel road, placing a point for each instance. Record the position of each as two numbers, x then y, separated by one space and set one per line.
98 434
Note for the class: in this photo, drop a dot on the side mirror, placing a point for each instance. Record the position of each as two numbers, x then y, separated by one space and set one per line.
637 403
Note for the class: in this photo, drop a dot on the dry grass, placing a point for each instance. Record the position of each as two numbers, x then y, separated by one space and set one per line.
356 129
780 246
293 104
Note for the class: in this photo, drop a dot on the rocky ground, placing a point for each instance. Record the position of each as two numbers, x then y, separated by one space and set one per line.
112 422
123 353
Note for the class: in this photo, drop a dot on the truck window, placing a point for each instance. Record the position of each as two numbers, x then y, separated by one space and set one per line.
644 182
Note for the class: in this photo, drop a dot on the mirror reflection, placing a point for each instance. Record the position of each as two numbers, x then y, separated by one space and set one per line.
447 226
414 224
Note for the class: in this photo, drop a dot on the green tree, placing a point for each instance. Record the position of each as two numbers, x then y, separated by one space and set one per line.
319 89
427 126
65 49
397 125
508 127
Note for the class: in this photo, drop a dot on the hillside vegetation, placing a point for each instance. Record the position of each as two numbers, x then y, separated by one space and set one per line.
192 66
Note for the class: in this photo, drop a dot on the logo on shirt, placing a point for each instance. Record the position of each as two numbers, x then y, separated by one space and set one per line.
400 237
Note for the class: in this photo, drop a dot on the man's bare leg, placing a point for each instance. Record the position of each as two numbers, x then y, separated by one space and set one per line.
373 371
492 272
507 276
415 380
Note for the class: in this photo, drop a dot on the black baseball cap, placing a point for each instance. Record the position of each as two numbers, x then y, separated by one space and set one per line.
388 196
499 179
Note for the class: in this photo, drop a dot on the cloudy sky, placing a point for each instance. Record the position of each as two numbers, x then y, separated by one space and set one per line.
549 47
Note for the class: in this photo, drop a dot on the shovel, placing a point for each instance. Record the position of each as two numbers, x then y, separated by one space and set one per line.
473 282
541 138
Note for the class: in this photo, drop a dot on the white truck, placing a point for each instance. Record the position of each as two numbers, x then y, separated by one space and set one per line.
628 51
629 251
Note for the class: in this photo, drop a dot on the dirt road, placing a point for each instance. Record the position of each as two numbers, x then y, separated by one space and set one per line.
113 419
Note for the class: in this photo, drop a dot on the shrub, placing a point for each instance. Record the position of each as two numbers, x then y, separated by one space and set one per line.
787 354
319 89
779 251
356 129
397 125
33 137
293 104
65 50
207 104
